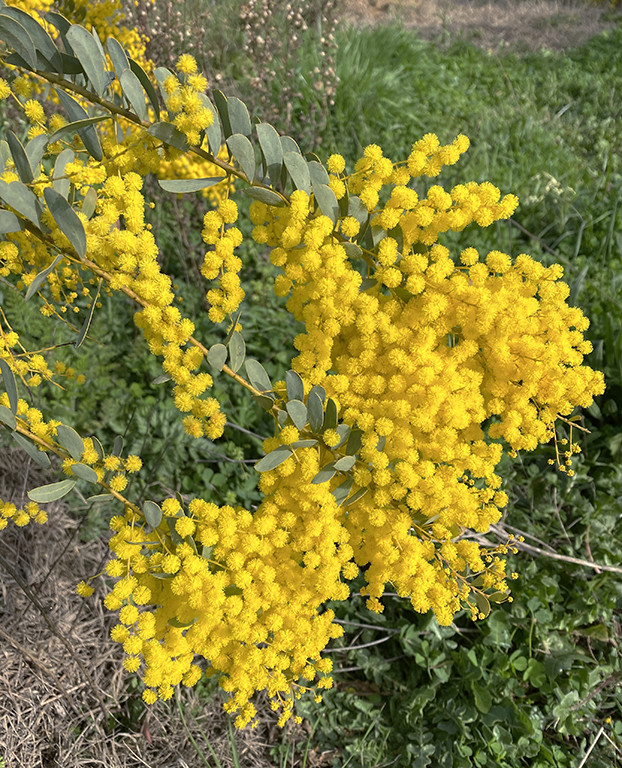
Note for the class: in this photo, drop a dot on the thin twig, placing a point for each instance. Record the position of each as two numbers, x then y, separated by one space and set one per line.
592 745
347 648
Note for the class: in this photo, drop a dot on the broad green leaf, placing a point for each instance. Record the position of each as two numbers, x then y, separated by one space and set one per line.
152 513
31 449
61 183
237 351
242 150
47 493
88 319
272 150
70 440
89 203
16 37
315 411
88 134
217 356
330 416
220 100
20 158
147 85
353 251
18 196
319 174
295 386
181 186
84 472
213 132
133 91
35 149
289 145
298 171
356 496
257 376
67 220
274 458
297 412
168 134
8 417
88 51
327 202
341 491
9 223
239 119
482 697
41 277
267 196
325 474
345 463
117 55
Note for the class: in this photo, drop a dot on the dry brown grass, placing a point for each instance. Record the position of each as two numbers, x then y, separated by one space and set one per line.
65 701
522 24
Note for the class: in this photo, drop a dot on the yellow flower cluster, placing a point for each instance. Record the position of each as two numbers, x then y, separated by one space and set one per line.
183 100
438 363
244 591
221 262
21 516
31 368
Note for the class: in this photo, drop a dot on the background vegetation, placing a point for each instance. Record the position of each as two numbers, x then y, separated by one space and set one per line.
537 683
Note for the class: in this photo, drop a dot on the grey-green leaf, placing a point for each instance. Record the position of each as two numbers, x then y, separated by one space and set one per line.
213 132
274 458
319 174
267 196
18 196
16 37
88 134
297 412
147 85
35 454
356 496
89 203
220 100
217 356
70 440
272 150
295 386
67 220
289 145
239 119
325 474
298 171
42 41
88 319
117 56
8 417
237 351
35 150
84 472
152 513
88 51
9 384
47 493
167 133
320 391
134 93
304 443
9 223
61 183
341 491
41 277
181 186
264 401
315 411
20 158
242 150
353 251
326 200
330 415
257 376
354 442
345 463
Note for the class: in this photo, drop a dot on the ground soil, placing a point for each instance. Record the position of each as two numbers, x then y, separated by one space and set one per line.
491 24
